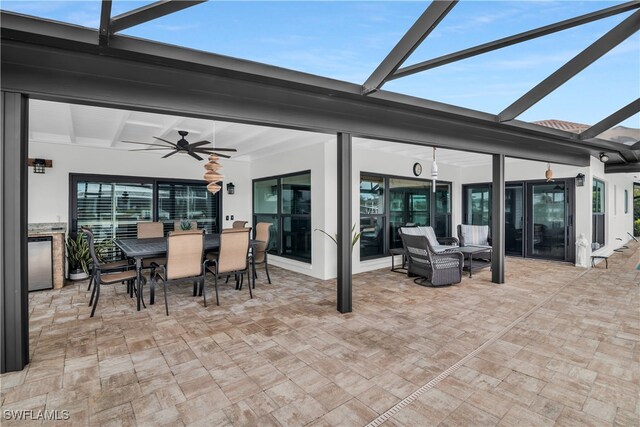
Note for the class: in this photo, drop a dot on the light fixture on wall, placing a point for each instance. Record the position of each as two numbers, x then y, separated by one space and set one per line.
231 189
604 158
434 171
211 175
39 165
580 180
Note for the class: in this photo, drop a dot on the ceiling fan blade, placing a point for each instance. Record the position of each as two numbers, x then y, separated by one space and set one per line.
170 154
151 149
194 155
199 143
212 152
225 149
145 143
168 142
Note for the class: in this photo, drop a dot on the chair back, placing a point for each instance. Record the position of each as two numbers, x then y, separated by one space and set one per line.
416 247
239 224
421 231
177 225
184 255
92 248
234 249
262 235
191 231
471 235
148 230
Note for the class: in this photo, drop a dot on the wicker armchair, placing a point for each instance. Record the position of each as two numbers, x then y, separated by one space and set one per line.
437 268
476 235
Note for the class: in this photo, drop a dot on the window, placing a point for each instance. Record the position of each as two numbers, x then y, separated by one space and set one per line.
597 234
285 202
388 203
111 206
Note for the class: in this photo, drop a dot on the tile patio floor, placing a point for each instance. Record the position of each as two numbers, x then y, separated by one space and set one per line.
555 345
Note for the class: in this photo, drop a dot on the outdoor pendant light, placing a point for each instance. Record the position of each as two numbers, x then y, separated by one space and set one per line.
434 170
211 175
580 180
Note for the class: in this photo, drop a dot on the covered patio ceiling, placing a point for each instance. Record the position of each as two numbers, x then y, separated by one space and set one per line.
303 101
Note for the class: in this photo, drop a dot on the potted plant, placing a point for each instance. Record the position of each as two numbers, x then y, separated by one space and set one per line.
355 236
78 256
185 224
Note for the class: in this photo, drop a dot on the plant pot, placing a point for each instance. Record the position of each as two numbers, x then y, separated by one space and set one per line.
77 275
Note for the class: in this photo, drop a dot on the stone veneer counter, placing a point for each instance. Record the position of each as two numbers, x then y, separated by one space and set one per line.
57 231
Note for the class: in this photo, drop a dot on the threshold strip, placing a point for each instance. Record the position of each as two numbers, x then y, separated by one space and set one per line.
451 369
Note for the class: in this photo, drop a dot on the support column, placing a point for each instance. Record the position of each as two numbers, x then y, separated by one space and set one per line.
14 319
497 223
344 222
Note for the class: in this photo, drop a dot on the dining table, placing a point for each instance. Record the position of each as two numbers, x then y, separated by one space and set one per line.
139 249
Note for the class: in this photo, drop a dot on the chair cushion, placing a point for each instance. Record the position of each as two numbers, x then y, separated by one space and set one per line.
475 235
114 265
118 277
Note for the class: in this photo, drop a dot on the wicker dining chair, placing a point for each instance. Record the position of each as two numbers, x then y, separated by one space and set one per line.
184 263
259 251
232 259
437 268
107 276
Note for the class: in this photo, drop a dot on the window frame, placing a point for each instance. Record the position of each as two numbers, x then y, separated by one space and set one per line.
74 178
280 216
599 217
387 207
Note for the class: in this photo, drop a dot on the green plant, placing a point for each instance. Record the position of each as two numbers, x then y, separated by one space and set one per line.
78 253
354 236
185 225
103 250
636 227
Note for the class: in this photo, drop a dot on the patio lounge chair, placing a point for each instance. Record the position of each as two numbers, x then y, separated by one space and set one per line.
439 268
476 235
439 244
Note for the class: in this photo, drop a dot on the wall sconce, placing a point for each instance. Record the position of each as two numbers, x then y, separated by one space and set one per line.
604 158
231 189
39 164
580 180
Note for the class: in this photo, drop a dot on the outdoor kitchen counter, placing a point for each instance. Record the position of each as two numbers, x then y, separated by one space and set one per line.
57 232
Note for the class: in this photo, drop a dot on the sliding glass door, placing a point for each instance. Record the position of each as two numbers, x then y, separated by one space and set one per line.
546 231
513 219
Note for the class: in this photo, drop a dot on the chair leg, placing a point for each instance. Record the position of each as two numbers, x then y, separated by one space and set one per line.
266 269
96 288
195 288
249 285
203 292
215 282
93 294
166 304
91 279
152 291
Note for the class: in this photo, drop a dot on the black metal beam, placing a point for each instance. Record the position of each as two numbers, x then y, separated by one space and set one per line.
105 23
431 17
636 146
581 61
48 34
608 122
344 222
622 168
14 316
515 39
497 220
149 12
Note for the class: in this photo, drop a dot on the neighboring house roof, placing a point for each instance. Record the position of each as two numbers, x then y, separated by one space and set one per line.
622 134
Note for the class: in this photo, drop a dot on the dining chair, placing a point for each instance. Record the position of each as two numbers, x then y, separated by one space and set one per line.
106 267
184 263
239 224
150 230
104 276
259 251
232 259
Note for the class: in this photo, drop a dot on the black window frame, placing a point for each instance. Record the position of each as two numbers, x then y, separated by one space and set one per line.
387 210
599 218
280 216
74 178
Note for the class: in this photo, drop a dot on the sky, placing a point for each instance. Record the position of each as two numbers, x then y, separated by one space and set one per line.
347 40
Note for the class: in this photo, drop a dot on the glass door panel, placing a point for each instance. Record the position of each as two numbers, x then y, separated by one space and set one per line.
478 205
547 224
513 218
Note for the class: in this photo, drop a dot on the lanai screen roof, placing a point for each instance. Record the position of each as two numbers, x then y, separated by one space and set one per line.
588 58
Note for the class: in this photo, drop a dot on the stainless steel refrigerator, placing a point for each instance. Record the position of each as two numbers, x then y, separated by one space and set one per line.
40 263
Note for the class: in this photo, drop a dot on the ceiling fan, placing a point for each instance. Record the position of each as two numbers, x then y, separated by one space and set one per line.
183 146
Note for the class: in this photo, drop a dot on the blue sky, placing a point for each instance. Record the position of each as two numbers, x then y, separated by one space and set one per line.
347 40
